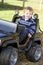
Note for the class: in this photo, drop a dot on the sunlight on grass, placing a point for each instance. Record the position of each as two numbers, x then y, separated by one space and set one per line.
7 15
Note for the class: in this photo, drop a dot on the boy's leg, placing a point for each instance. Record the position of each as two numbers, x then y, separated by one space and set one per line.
23 35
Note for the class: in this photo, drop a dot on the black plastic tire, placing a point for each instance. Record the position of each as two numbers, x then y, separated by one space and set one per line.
9 56
34 54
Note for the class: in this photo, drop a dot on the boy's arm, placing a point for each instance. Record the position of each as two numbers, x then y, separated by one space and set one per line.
31 30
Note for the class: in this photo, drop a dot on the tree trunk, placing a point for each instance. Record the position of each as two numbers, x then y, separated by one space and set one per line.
23 3
40 5
2 2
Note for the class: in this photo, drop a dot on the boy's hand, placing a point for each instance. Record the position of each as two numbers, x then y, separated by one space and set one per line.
29 35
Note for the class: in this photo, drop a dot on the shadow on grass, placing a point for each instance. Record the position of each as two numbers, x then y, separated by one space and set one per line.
7 6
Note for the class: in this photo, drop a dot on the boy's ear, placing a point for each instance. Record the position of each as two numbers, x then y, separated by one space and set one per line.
24 10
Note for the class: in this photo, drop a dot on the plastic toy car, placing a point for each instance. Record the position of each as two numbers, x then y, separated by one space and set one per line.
10 47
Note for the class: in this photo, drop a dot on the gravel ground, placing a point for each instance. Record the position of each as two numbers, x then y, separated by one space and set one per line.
24 61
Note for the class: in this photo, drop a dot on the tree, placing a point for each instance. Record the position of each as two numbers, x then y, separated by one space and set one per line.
41 1
23 2
2 2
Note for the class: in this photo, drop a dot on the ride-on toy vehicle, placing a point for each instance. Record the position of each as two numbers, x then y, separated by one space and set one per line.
10 47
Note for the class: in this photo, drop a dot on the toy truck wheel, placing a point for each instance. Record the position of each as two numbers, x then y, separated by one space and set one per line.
9 56
34 54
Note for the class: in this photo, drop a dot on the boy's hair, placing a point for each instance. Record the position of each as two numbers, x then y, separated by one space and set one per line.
29 8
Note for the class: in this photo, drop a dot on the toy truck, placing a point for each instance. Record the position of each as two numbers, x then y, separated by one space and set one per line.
11 47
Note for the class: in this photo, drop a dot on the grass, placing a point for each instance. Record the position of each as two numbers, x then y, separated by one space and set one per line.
8 9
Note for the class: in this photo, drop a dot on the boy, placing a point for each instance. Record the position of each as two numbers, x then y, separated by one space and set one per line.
28 22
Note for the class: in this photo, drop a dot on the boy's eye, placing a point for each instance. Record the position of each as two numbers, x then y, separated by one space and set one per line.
27 13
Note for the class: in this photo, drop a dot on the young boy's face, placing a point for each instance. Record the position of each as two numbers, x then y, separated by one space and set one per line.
28 14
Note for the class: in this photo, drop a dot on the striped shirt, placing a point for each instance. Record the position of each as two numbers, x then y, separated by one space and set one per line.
30 25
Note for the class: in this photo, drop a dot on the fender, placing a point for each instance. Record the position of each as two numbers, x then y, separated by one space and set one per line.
37 40
11 41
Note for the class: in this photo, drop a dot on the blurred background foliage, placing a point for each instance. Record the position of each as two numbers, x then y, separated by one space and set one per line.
8 7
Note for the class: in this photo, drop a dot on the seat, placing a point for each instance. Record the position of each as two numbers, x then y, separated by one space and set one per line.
37 23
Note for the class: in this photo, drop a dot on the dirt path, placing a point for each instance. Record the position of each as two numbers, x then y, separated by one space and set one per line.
24 61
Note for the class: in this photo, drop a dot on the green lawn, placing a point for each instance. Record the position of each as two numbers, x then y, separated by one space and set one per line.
8 9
